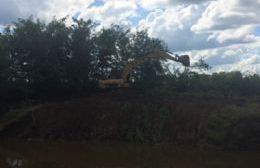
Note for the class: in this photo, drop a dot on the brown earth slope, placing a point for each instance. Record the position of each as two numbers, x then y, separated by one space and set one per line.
126 116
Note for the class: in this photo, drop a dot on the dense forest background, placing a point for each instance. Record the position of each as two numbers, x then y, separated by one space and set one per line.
46 61
40 60
43 61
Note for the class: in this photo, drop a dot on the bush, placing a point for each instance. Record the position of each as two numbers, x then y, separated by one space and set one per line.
235 127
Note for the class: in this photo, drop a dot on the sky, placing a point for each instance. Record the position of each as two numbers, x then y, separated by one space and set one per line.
225 33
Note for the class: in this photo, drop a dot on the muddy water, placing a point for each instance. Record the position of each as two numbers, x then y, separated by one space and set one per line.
114 155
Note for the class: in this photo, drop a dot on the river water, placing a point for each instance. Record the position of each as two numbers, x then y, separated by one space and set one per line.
114 155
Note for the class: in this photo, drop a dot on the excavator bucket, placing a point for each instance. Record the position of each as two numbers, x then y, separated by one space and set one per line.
185 60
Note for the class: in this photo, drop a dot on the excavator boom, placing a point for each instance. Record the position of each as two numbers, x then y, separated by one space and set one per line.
156 54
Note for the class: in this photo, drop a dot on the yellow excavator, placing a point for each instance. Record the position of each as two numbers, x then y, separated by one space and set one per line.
156 54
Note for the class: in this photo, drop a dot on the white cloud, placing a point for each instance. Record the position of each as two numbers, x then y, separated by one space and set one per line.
173 26
61 8
238 57
181 25
113 11
241 34
10 10
223 14
153 4
251 65
218 56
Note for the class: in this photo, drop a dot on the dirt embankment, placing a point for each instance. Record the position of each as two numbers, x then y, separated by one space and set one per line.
185 119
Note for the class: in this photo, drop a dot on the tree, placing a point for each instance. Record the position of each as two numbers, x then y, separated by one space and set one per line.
81 59
25 45
4 61
140 46
111 50
53 74
201 65
38 53
4 69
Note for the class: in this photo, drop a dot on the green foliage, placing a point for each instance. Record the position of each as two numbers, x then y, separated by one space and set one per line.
16 115
111 51
41 60
4 63
141 45
235 127
201 65
224 83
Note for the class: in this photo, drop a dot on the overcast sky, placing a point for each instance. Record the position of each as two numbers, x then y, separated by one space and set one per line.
226 33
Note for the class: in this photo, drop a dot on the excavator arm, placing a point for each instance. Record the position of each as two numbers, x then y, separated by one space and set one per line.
156 54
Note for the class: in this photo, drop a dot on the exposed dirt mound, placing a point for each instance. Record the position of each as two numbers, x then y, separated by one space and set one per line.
115 116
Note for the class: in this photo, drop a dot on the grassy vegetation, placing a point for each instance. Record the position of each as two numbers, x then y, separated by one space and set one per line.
185 119
16 115
235 126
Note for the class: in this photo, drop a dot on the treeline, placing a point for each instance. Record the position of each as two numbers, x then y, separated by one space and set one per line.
223 83
53 60
39 60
